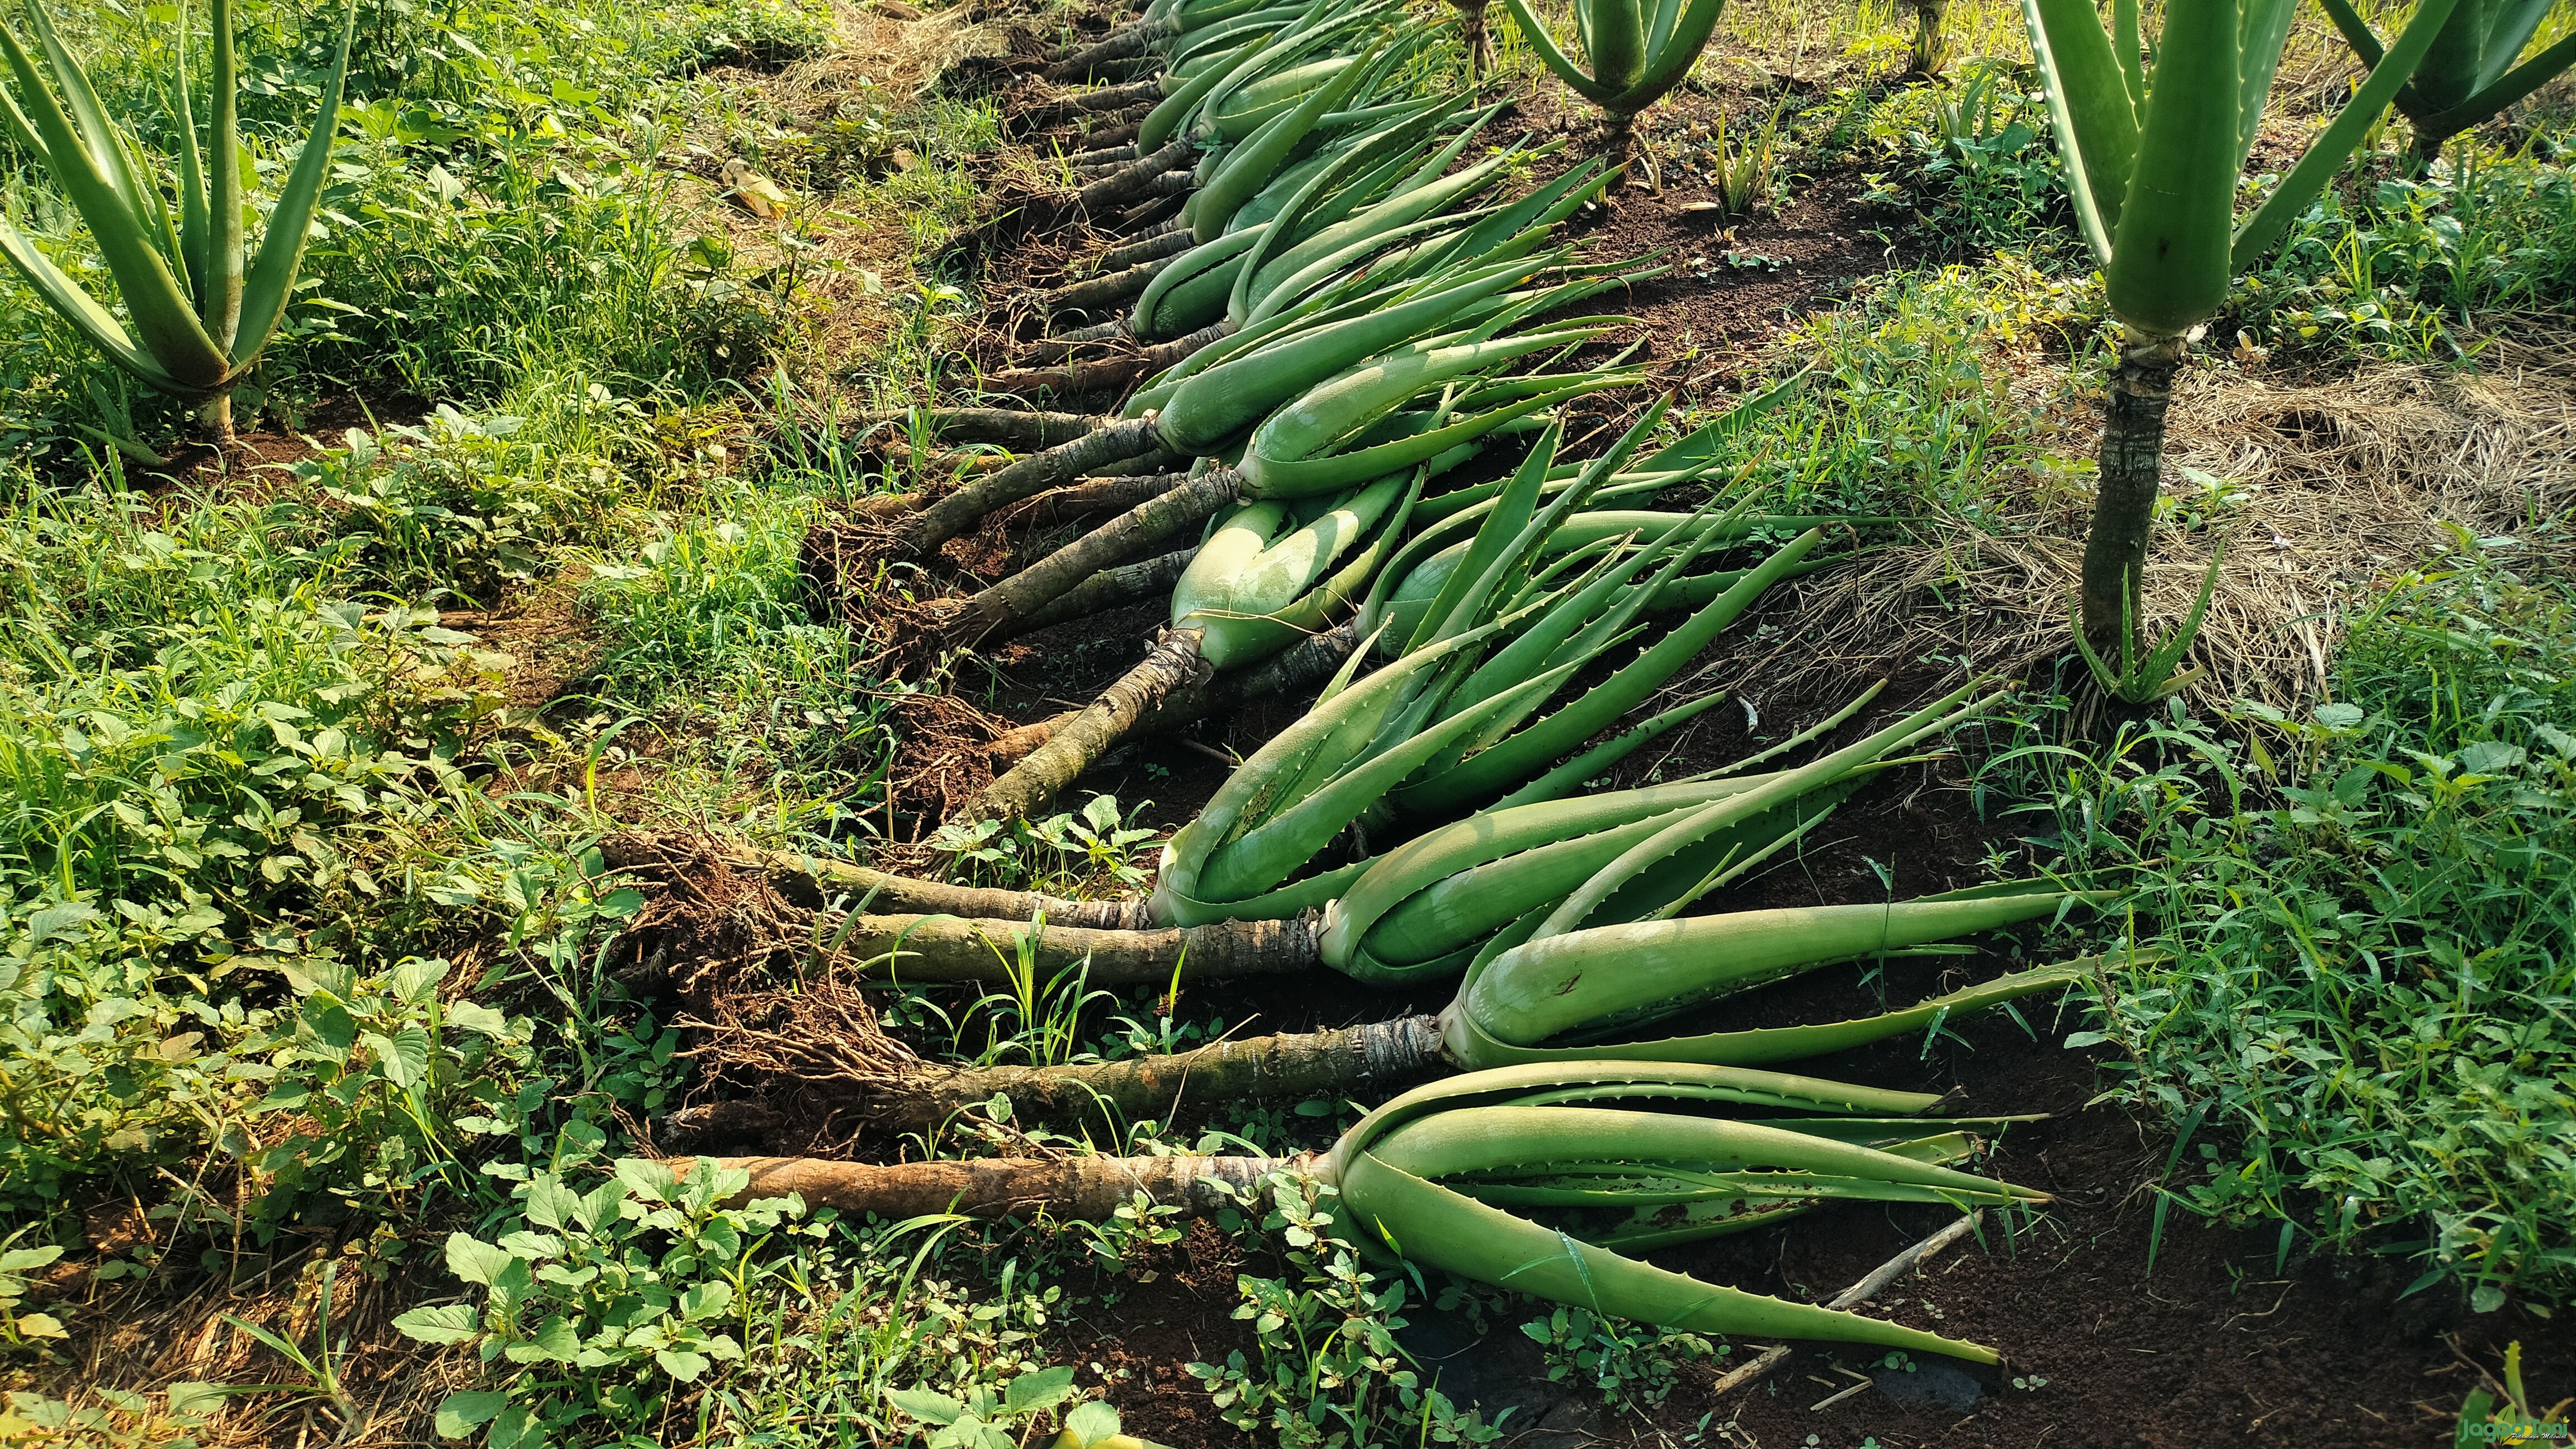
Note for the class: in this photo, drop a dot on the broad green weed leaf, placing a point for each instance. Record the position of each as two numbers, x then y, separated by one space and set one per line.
416 980
927 1405
480 1019
53 921
193 1398
550 1203
1090 1422
516 1428
474 1260
1038 1389
648 1180
705 1300
402 1057
439 1323
459 1413
681 1364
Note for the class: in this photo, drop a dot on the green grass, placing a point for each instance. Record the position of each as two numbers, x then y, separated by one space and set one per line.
2362 1030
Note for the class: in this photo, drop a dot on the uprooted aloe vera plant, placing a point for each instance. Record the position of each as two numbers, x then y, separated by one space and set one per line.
1450 719
1634 56
1256 594
1532 1178
2152 166
199 312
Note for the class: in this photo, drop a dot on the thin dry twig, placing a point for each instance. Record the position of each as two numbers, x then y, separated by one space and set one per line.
1878 1281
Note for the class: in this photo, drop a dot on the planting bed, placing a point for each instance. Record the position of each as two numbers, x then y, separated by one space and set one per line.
2119 1323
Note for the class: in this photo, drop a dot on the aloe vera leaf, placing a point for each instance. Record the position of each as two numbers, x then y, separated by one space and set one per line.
1557 983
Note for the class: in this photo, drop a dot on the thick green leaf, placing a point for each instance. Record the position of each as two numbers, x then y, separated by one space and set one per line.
2169 269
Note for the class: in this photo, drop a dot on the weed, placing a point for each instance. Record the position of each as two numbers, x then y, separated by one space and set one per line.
2372 923
587 1316
1631 1366
1067 854
2403 267
1330 1371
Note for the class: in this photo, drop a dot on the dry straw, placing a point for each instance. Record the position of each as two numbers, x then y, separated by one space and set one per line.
2324 490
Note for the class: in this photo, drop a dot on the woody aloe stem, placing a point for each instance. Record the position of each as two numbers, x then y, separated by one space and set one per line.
1027 478
1088 1189
1157 520
1169 666
1292 1065
2124 500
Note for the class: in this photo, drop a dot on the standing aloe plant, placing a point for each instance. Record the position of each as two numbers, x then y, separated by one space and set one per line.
2152 163
200 317
1636 56
2468 75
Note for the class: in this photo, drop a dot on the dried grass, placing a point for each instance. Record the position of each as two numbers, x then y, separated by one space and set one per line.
2336 486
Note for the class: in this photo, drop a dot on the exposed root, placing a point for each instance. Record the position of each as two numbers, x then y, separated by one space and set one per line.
1353 1061
1103 592
898 893
1288 675
939 761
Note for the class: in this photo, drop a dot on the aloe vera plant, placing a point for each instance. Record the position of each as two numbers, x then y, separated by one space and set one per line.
2152 161
1531 1178
1452 718
200 311
2468 75
1633 55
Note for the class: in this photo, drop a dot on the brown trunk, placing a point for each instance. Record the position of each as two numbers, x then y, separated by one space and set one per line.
904 894
1090 496
1137 531
1172 663
1476 38
1105 156
215 416
1107 590
1169 240
1065 344
953 950
1083 1188
2124 499
1015 428
1308 663
1137 179
1099 293
1027 478
1618 146
1334 1064
1123 133
1124 44
1111 372
1083 103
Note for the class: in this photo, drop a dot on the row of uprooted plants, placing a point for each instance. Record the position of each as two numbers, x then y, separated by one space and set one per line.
1332 310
